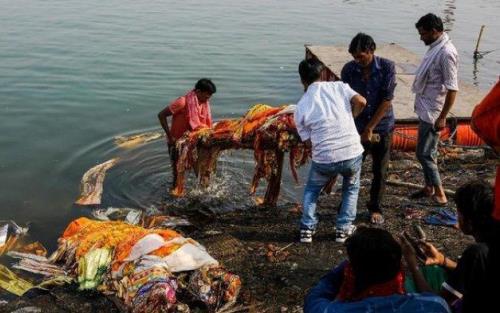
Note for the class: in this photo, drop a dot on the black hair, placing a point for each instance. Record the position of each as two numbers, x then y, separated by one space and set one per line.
375 256
429 22
205 84
475 202
310 70
362 43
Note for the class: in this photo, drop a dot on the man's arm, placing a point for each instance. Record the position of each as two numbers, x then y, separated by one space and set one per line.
448 103
358 104
321 297
379 114
388 94
162 116
449 68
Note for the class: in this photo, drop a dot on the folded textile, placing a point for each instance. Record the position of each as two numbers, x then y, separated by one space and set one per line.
443 217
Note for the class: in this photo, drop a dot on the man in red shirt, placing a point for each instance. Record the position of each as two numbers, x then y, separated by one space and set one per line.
189 112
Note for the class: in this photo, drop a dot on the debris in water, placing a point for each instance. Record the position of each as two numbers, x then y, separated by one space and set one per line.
92 182
128 142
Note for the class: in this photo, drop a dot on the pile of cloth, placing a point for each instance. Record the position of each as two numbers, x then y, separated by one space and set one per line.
151 270
269 131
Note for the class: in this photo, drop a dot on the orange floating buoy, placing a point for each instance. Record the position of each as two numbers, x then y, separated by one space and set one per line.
466 136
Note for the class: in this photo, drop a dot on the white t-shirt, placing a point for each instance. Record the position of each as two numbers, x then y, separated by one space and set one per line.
324 115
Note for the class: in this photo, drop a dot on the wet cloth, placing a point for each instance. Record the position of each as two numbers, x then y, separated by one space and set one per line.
486 123
437 74
91 186
321 298
324 115
379 88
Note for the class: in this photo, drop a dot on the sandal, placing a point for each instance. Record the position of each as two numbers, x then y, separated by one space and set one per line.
436 202
377 218
420 194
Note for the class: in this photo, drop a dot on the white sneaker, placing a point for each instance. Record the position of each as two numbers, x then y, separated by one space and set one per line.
306 235
342 235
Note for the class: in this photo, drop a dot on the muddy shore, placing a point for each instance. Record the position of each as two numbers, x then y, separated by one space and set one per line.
261 244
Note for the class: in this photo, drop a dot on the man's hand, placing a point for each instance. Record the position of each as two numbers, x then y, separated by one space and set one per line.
440 124
366 136
408 252
433 254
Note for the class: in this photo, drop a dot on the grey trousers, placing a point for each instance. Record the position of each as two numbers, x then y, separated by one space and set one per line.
427 152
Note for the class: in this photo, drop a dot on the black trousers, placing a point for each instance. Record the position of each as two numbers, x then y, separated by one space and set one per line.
381 153
174 158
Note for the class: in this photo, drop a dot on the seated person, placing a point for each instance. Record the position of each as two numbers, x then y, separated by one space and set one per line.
371 280
472 285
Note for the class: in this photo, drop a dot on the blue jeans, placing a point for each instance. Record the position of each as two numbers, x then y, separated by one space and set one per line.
319 175
427 143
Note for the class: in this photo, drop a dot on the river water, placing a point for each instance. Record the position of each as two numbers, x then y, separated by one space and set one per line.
75 74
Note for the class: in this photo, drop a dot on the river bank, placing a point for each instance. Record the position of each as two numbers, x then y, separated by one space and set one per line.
261 244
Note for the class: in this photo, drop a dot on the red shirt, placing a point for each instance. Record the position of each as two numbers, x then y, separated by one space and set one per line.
180 118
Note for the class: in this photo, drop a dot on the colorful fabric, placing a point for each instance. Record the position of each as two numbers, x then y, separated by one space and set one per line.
214 287
92 267
261 125
156 296
348 288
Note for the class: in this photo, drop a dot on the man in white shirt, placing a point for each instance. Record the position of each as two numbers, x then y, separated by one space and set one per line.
325 117
435 88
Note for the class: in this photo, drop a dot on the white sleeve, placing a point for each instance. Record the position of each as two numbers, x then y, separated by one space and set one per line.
298 117
348 92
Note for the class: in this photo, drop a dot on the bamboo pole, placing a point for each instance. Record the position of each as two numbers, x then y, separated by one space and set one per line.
476 52
399 183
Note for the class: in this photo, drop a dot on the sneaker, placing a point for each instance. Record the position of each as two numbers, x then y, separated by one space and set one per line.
306 235
342 235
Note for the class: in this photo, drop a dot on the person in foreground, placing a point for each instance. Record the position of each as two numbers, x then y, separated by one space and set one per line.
189 112
371 280
435 87
374 78
325 117
473 282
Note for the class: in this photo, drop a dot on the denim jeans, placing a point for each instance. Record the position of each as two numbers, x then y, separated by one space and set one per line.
319 175
427 152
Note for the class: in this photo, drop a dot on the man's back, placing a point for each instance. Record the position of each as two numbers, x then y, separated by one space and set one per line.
324 115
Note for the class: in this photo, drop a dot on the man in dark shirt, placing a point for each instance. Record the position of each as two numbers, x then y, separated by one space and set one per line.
374 78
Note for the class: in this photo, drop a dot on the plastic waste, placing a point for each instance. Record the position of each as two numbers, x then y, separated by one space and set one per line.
12 283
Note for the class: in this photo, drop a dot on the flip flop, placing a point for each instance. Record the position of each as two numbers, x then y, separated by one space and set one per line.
420 194
437 203
377 218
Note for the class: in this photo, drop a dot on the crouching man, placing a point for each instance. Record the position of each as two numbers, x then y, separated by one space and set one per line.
325 117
